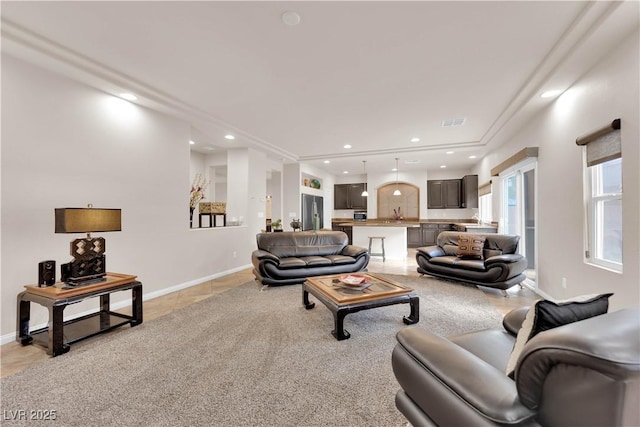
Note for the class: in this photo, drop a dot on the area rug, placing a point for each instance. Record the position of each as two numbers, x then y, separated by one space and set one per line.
245 357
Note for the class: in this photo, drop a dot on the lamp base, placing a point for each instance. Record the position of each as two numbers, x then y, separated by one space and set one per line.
80 271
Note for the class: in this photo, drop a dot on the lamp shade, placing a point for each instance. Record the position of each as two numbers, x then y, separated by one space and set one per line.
87 220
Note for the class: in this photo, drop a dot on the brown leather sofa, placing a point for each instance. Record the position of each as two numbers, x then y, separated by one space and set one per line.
501 266
289 257
585 373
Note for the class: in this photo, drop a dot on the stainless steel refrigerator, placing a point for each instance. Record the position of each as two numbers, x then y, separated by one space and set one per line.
311 206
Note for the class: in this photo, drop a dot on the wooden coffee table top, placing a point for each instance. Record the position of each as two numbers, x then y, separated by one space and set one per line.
341 294
61 290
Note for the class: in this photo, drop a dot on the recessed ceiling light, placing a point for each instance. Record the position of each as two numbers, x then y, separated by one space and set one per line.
472 157
209 148
443 166
229 136
347 146
450 152
394 169
327 162
291 18
345 172
128 96
192 143
551 93
415 139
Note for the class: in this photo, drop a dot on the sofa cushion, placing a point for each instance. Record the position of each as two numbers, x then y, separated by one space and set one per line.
470 246
341 259
291 262
450 249
545 315
316 260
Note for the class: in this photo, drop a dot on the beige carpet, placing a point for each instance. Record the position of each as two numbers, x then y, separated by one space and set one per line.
243 358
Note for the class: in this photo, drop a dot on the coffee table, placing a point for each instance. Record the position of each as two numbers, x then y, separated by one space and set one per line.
343 300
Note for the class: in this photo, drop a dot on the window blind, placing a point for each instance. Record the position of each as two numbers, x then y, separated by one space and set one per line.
484 189
603 144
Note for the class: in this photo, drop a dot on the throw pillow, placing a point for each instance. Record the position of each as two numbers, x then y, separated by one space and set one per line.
545 315
470 246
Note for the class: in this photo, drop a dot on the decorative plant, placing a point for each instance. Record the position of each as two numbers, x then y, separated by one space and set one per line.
397 215
296 224
277 224
198 187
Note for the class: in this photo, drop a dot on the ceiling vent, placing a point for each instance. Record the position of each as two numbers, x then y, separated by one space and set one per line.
459 121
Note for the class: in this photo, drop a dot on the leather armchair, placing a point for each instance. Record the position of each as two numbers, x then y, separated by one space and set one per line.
586 373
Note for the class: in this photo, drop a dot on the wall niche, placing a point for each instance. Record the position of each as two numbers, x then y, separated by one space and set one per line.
408 201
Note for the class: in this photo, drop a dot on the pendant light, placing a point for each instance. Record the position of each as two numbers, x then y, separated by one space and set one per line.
365 193
397 192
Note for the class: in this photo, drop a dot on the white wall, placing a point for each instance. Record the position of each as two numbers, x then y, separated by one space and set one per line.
66 145
608 91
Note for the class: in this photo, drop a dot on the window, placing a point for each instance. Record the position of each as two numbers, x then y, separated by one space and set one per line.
602 152
518 210
604 214
485 209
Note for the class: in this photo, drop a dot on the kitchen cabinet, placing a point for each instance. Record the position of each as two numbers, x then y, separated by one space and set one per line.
453 193
347 229
470 191
349 196
430 231
414 237
444 193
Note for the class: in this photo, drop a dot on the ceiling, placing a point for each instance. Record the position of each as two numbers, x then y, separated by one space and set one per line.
374 75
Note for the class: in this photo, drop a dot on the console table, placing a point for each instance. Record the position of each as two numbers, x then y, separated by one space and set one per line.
213 219
59 334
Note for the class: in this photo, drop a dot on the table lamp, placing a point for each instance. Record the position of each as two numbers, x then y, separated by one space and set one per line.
88 264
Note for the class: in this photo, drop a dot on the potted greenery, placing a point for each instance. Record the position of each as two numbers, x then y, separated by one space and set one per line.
296 224
277 225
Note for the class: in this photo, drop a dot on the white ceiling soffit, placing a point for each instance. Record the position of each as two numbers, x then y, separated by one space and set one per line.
372 74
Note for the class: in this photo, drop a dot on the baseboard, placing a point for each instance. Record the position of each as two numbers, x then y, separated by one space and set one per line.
531 285
7 338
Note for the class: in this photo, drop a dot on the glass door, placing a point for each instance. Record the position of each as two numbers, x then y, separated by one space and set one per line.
519 210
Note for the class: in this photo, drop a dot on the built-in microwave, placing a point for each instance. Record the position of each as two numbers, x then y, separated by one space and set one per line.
360 215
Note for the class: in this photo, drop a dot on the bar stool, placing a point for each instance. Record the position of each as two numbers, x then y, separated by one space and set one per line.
377 253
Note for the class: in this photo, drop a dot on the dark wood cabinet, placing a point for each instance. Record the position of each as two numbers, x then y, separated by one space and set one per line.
444 193
470 191
349 196
414 237
347 229
453 193
430 232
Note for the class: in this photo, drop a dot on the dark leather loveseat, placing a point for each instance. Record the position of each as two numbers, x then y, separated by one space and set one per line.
289 257
585 373
500 267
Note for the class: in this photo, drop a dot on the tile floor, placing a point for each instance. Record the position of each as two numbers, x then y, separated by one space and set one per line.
14 357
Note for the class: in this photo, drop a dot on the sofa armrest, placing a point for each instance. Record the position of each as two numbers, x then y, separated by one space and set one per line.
353 251
443 378
512 321
431 251
263 255
503 259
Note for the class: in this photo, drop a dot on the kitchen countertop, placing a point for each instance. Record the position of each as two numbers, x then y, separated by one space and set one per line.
390 223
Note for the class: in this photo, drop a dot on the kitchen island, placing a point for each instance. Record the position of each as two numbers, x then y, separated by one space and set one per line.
410 233
394 233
